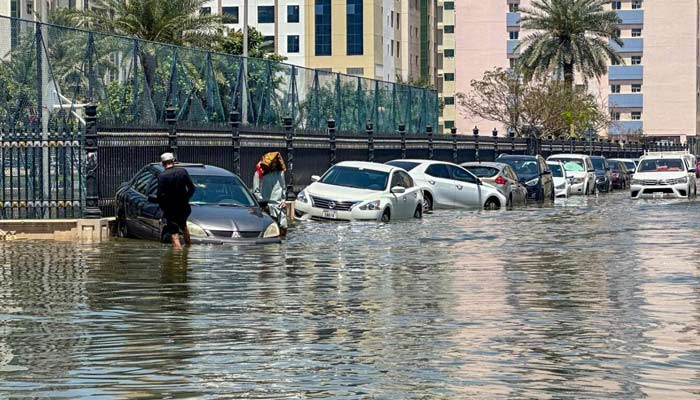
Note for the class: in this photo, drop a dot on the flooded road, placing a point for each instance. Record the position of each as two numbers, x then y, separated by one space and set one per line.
594 298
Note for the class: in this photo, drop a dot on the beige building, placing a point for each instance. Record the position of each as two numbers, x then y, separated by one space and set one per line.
655 91
446 45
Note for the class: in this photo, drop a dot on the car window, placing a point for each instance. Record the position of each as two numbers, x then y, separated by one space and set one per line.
407 165
402 179
461 175
358 178
221 190
510 173
482 171
438 171
142 180
661 165
589 165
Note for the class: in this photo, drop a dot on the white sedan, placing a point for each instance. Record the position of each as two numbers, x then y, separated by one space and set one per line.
353 191
447 185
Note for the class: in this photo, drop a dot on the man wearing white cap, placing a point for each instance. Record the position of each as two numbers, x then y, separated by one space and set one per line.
175 189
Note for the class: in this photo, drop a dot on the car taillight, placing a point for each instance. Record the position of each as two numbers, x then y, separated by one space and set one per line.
501 181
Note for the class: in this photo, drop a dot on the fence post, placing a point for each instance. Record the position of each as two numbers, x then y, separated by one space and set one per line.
235 121
92 196
170 119
402 132
289 137
431 152
369 128
475 131
551 144
331 141
512 142
494 133
455 149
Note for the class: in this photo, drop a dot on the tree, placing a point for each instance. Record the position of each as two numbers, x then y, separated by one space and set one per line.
552 106
568 36
258 47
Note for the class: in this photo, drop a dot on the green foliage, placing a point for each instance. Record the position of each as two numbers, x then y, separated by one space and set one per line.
232 43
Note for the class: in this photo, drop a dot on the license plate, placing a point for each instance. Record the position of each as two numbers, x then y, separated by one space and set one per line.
330 214
658 195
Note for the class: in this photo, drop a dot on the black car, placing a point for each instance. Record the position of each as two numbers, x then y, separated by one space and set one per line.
603 176
223 209
533 173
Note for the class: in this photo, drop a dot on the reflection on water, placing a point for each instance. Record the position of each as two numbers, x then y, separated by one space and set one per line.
591 298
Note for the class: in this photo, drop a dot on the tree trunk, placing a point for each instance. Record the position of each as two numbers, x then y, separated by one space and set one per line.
569 75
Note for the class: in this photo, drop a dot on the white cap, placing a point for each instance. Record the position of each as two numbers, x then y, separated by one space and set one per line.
166 157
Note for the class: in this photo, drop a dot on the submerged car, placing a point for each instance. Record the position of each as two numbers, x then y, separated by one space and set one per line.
580 169
620 174
355 191
603 174
562 183
502 177
662 175
533 173
223 209
447 185
630 163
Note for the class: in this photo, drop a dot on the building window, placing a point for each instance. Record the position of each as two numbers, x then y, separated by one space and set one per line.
205 11
616 5
513 7
514 35
636 4
323 27
449 5
636 115
449 53
449 77
293 44
230 15
449 124
637 88
637 32
266 14
449 29
449 101
636 60
14 24
614 115
614 88
268 43
356 71
292 14
355 27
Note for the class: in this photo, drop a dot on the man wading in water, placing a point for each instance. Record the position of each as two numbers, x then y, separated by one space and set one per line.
175 189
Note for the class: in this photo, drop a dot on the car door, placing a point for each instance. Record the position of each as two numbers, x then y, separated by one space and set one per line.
467 190
134 204
399 201
546 177
517 190
411 197
440 182
590 175
145 215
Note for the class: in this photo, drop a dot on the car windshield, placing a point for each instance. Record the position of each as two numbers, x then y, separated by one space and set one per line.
661 165
598 163
614 166
557 171
406 165
482 171
572 164
526 169
358 178
220 190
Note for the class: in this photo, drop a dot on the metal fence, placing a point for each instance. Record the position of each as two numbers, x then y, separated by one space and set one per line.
49 73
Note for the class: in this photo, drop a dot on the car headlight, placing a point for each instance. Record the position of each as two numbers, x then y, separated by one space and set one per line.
562 186
302 197
635 182
683 179
196 230
272 231
371 206
532 182
578 180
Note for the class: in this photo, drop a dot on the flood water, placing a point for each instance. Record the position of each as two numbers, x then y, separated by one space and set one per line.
594 298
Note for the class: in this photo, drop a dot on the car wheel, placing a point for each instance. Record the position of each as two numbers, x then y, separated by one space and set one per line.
492 204
386 216
418 214
122 229
427 203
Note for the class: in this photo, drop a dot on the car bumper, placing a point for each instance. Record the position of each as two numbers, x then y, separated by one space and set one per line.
578 188
679 191
307 211
602 184
562 193
222 241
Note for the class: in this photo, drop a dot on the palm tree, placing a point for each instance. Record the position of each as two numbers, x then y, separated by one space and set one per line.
569 36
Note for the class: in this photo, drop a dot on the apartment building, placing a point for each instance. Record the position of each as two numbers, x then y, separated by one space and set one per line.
655 90
446 65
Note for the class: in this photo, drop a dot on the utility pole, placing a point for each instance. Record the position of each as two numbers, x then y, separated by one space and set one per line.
43 108
244 82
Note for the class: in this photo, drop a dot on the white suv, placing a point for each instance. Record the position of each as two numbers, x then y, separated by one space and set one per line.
664 175
580 169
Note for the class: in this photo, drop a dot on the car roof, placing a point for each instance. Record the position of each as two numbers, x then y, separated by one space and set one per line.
658 156
517 156
485 164
567 155
197 169
368 165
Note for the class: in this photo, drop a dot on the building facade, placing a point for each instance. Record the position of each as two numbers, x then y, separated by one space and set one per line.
655 91
446 65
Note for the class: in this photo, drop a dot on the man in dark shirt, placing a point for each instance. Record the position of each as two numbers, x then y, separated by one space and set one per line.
175 189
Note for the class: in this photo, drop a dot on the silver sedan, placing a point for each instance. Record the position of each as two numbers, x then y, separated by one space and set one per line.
502 177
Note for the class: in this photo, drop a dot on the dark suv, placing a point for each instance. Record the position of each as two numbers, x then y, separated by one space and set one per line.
533 173
603 176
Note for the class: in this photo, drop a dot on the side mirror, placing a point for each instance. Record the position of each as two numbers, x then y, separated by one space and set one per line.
398 190
315 178
692 170
479 182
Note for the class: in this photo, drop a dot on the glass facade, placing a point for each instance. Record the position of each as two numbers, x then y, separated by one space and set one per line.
354 27
230 14
266 14
293 14
293 44
323 26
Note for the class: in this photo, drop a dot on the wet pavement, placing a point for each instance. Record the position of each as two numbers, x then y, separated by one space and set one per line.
591 298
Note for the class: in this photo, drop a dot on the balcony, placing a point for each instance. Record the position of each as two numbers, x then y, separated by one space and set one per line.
513 19
512 44
625 73
631 17
631 45
623 127
626 100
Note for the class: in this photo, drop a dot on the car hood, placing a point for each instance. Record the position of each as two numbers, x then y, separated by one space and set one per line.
524 179
660 175
576 174
340 193
558 180
224 218
600 172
